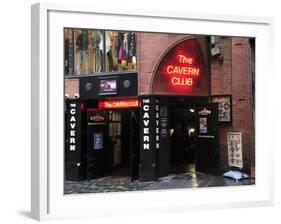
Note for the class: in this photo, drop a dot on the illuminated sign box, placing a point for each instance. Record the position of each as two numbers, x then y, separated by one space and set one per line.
108 86
182 70
118 104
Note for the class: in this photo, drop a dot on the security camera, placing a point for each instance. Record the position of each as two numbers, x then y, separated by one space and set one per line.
76 95
215 51
66 96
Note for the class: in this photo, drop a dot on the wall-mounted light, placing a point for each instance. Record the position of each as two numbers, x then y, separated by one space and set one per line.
191 131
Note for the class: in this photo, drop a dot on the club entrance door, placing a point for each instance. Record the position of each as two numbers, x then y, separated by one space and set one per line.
112 143
207 160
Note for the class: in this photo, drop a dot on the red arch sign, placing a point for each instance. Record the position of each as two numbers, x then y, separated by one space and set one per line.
182 71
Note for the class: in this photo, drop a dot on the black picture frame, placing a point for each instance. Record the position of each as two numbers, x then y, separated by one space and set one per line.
224 107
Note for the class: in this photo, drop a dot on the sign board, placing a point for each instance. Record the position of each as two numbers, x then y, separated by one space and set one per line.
98 141
149 140
73 129
234 146
182 71
118 104
96 115
73 135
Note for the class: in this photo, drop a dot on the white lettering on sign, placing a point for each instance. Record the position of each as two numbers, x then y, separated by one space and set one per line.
72 119
146 119
146 130
145 115
146 146
146 107
72 131
157 137
204 112
146 122
146 138
72 147
73 111
72 140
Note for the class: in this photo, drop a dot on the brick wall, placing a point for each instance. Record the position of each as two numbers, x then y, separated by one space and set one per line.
71 87
151 47
231 75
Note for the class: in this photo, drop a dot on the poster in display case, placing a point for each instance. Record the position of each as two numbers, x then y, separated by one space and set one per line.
203 126
224 107
97 141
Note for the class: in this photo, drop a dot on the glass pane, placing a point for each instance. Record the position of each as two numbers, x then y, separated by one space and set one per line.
96 52
81 39
88 45
120 51
68 52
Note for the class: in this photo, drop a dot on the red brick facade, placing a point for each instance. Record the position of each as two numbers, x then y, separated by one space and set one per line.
230 75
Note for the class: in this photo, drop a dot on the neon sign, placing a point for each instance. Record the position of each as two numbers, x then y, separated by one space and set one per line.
182 71
185 68
118 104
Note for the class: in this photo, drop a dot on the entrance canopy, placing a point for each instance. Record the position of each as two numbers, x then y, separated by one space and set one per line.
182 71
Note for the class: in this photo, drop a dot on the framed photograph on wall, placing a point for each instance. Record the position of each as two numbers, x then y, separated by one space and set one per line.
224 107
113 47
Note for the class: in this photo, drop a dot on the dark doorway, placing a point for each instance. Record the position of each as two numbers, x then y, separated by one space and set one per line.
97 141
182 136
112 143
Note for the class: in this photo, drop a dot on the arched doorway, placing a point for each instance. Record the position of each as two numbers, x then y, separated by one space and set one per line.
181 86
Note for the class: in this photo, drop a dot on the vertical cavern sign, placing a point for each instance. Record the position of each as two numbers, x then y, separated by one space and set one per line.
73 154
148 163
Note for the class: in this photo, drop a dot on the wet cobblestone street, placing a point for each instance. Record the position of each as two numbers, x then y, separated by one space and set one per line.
173 181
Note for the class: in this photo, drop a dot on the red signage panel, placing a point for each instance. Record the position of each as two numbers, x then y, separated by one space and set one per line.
118 104
182 71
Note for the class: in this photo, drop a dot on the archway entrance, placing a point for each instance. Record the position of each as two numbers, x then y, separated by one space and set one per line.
170 127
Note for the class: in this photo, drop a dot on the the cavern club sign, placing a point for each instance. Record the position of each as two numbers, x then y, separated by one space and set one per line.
182 71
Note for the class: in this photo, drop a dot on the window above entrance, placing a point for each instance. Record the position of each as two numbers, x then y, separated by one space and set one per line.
93 52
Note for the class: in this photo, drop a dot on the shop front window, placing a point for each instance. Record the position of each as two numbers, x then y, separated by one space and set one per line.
92 52
120 51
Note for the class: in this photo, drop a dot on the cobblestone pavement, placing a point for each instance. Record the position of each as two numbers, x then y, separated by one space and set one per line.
173 181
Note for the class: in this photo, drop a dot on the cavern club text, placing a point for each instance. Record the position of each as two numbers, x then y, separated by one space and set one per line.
183 73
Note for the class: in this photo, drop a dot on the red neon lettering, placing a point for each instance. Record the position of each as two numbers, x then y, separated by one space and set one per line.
184 59
177 81
178 70
170 69
119 104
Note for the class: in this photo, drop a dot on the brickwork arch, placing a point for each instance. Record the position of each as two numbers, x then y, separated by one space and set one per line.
201 45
